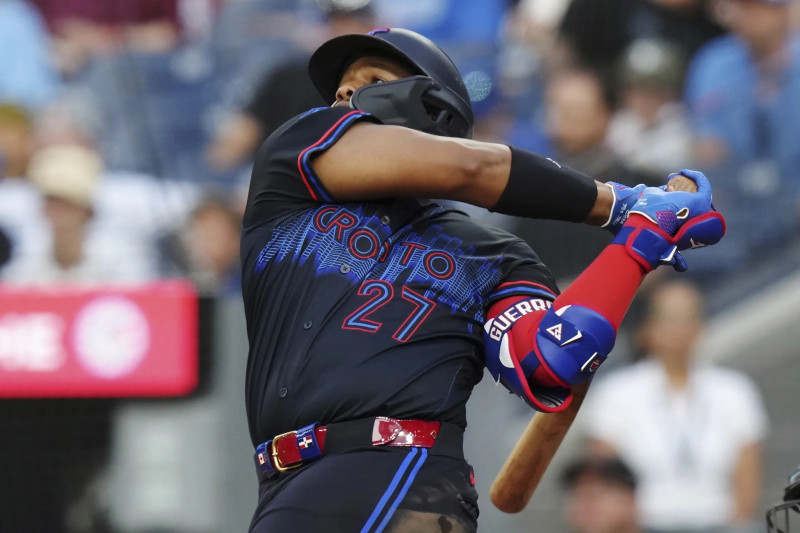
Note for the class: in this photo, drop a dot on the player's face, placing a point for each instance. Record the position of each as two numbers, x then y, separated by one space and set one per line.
367 70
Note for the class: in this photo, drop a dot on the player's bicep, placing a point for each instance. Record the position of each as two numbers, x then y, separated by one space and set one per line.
373 161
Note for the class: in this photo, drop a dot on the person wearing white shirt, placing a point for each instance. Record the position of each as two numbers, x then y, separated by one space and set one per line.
65 178
691 430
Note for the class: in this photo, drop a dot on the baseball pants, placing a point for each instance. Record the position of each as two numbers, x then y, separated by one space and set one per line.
371 490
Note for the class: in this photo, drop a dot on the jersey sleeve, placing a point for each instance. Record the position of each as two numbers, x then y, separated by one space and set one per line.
283 180
524 275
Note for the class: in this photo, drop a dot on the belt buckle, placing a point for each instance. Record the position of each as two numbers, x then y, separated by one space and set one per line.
273 452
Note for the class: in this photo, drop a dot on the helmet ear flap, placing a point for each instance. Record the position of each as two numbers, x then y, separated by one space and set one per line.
397 102
447 114
416 102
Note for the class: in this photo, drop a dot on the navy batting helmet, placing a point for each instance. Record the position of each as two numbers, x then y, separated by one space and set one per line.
434 100
781 516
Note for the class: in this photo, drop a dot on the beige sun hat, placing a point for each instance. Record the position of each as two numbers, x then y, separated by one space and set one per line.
69 172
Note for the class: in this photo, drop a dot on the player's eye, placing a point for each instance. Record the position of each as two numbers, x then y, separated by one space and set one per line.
377 80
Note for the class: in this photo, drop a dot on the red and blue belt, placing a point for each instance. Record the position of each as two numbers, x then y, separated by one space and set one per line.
297 448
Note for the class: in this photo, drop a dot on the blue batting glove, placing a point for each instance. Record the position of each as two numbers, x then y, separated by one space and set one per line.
685 220
675 259
670 210
624 199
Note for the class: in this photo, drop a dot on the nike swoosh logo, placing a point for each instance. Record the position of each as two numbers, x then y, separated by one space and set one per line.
573 339
505 355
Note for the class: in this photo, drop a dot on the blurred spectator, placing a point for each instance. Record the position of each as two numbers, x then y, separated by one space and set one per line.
85 29
20 213
690 430
597 32
242 23
578 112
470 33
579 106
16 140
526 54
601 496
5 248
651 130
284 91
27 78
66 178
208 246
132 211
743 91
444 21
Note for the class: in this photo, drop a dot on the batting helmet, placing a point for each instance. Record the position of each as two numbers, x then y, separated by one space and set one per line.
434 100
782 515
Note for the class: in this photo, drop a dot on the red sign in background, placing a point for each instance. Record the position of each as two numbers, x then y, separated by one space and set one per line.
102 342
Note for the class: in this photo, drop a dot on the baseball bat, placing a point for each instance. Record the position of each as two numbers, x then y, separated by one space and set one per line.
523 470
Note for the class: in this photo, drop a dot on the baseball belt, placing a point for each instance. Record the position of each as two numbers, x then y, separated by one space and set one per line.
296 448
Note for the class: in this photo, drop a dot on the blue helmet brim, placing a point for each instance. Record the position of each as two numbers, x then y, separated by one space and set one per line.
329 61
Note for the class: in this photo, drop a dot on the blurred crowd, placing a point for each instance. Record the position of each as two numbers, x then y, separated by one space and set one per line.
692 432
127 128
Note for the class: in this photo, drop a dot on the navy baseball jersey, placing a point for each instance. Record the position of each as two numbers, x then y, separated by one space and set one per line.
359 309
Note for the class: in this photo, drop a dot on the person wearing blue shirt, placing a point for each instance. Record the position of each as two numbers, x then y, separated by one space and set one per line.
28 77
743 92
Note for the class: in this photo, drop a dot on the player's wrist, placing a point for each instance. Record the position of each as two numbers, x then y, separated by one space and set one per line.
603 211
623 198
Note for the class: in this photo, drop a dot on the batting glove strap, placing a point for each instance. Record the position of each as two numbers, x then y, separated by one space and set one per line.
648 245
624 199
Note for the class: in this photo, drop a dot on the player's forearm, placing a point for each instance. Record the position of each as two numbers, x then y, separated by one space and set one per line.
608 285
374 161
521 183
549 190
538 187
552 191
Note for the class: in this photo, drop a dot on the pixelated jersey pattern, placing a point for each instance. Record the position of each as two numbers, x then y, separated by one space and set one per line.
335 235
300 241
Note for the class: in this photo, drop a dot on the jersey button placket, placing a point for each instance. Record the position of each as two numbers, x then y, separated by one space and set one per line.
385 220
307 324
344 269
283 392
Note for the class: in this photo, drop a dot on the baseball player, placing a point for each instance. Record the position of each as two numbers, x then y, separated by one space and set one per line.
371 313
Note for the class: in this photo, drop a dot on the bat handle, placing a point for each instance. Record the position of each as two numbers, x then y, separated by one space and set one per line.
523 470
